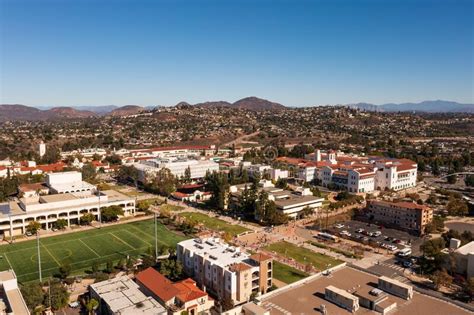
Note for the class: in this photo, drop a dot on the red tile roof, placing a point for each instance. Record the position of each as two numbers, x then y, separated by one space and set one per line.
56 167
185 290
157 284
188 291
260 257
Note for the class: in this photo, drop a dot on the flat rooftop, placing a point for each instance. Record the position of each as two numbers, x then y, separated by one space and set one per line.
308 297
123 296
225 255
466 249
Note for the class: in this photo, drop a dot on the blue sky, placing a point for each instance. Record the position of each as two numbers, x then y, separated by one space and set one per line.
86 52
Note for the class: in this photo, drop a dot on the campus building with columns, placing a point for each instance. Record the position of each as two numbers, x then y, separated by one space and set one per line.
68 198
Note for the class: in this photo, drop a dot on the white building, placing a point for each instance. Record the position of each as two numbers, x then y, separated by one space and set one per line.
288 202
357 174
68 204
122 296
67 182
178 167
395 174
11 300
3 171
276 174
42 149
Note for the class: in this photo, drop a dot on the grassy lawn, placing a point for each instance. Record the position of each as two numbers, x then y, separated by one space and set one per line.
82 248
286 273
214 223
171 208
303 255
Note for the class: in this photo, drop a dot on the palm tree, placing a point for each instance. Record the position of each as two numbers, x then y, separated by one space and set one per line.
91 305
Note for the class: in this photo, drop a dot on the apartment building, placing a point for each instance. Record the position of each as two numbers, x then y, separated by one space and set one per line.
177 167
407 216
225 271
69 198
177 297
288 202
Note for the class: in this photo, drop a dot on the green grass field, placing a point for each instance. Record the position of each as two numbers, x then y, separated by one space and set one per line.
286 273
81 249
303 255
214 223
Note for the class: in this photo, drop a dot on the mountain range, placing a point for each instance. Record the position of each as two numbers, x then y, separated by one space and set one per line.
437 106
23 112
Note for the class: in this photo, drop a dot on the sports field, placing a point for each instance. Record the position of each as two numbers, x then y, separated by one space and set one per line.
81 249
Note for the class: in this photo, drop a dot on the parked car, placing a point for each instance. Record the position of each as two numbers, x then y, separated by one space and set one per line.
407 264
28 233
346 233
359 230
339 226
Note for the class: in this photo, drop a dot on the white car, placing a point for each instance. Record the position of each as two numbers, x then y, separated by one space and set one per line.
339 226
346 233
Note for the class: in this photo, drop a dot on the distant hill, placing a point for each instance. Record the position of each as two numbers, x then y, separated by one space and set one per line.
69 112
101 109
126 110
438 106
22 112
251 103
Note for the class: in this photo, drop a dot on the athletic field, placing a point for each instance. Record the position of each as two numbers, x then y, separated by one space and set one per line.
81 249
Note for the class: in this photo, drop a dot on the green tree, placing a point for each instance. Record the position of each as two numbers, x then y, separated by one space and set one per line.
33 227
469 181
61 224
111 213
441 278
33 295
109 267
86 219
88 172
187 175
64 270
91 306
457 207
59 296
171 268
95 267
164 183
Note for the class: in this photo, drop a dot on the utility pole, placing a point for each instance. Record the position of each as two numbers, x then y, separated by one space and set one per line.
156 238
39 256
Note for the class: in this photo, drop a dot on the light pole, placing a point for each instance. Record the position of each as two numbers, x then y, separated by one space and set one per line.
156 238
39 256
99 214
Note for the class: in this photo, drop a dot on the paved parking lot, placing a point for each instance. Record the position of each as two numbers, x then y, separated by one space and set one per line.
404 237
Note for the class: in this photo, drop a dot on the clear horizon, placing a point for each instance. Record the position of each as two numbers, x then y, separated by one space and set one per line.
297 53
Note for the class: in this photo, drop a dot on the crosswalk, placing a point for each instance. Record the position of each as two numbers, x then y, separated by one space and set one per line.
392 266
270 305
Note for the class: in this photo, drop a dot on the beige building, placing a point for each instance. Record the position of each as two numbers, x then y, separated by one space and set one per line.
224 271
407 216
11 300
66 200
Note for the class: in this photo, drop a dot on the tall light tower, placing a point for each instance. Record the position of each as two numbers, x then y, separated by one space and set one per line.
39 256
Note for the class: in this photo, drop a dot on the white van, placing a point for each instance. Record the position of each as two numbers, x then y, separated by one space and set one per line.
404 252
